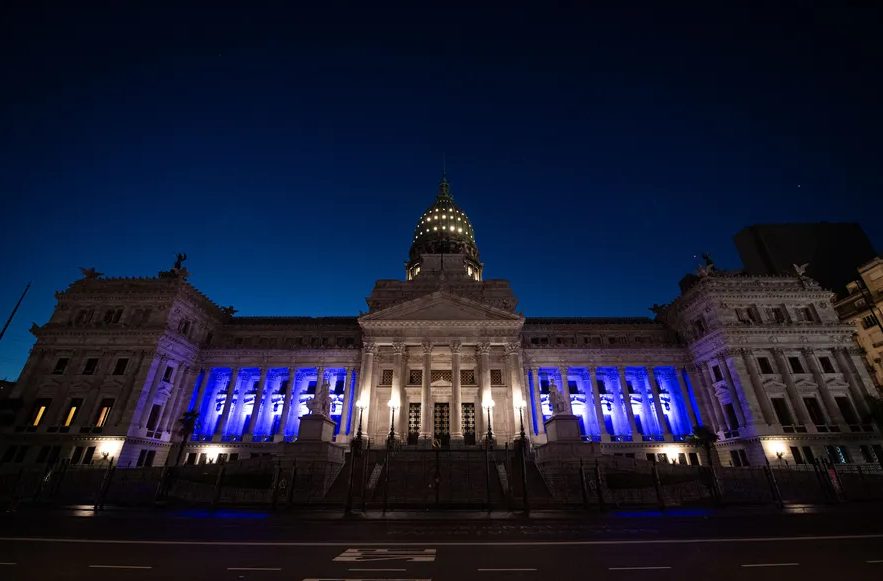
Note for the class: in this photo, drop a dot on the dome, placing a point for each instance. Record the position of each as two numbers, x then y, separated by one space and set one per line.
444 228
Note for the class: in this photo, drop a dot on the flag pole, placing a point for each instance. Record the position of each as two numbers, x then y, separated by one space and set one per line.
17 305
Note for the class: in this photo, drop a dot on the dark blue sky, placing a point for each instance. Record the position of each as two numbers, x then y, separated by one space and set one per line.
289 153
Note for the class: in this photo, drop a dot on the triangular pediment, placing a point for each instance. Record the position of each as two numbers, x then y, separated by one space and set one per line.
441 306
804 382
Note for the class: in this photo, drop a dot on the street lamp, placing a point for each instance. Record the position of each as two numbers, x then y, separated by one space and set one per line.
520 405
393 404
361 405
489 405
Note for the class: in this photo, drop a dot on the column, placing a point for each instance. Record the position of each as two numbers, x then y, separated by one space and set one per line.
626 401
828 404
723 421
766 406
396 395
199 388
286 405
345 430
253 420
366 381
735 399
565 387
146 405
175 398
221 425
119 410
657 403
483 352
536 406
599 412
685 399
456 394
425 412
853 380
793 393
646 411
513 365
203 401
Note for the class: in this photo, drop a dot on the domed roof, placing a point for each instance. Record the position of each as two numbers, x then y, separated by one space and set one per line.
444 228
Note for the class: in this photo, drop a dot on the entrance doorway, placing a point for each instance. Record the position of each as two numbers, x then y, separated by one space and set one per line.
441 423
468 423
413 423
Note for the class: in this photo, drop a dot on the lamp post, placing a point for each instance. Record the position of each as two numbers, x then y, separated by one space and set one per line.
489 405
521 405
392 421
361 405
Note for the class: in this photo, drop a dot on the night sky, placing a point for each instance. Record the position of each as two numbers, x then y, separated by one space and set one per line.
290 153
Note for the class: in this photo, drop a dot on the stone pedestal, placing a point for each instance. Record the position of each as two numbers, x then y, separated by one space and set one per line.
562 428
315 428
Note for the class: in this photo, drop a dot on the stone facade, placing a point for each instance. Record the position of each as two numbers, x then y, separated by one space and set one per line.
442 358
862 307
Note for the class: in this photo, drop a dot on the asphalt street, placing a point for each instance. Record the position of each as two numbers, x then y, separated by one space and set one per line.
253 545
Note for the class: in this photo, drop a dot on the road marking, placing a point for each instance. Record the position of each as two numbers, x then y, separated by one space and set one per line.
17 563
650 568
871 562
366 569
771 565
442 543
254 568
120 567
512 569
366 555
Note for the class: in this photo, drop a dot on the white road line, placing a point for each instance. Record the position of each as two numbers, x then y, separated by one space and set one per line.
770 565
120 567
254 568
871 562
367 569
510 569
637 568
441 543
17 563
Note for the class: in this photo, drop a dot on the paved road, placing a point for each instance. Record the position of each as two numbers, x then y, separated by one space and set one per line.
257 546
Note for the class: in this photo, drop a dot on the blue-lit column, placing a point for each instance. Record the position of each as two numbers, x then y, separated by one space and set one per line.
537 403
565 387
253 422
657 403
199 390
625 400
595 394
647 416
344 430
685 400
286 405
228 403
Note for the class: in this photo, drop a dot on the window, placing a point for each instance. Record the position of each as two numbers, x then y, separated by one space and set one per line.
40 407
805 314
103 412
739 458
796 365
209 336
415 377
776 314
467 377
783 414
826 364
167 374
795 453
120 367
867 454
496 377
699 326
117 315
731 414
601 386
694 458
61 365
154 416
184 327
846 409
765 366
77 455
91 366
716 372
87 457
72 410
815 410
868 321
386 377
808 454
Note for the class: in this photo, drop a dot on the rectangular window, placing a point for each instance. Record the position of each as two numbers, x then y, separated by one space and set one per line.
765 366
694 458
795 453
783 414
386 377
744 457
808 454
467 377
167 374
40 407
496 377
415 377
77 455
601 386
815 410
91 366
716 373
154 416
72 410
120 367
735 460
682 459
846 409
61 365
87 457
117 315
867 454
731 414
777 314
796 365
827 366
103 412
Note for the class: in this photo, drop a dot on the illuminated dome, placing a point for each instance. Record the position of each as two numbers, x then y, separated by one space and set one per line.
444 229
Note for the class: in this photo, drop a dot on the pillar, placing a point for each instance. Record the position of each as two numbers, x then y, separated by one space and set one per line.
854 381
286 405
425 413
176 398
144 409
513 367
685 399
483 352
456 393
599 412
766 406
657 403
395 394
119 410
254 419
366 380
536 406
221 425
832 412
738 402
626 401
344 430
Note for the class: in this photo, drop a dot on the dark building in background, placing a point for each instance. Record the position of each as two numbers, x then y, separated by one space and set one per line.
833 250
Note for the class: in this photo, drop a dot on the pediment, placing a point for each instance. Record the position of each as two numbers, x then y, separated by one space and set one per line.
803 382
773 384
441 306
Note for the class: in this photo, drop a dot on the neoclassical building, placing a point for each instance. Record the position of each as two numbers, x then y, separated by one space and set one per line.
443 357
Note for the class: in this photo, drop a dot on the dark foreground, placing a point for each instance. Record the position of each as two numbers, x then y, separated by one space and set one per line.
844 543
